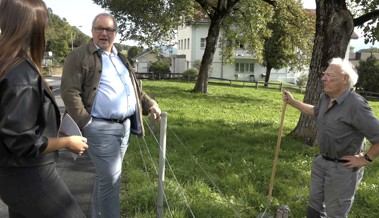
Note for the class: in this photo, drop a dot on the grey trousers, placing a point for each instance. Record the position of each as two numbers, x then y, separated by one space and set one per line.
333 187
107 144
32 192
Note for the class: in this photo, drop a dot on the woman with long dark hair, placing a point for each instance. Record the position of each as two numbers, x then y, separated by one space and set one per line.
29 119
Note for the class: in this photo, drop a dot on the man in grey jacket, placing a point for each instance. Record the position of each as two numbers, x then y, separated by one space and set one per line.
100 92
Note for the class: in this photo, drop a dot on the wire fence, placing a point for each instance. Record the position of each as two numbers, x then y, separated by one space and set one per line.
147 159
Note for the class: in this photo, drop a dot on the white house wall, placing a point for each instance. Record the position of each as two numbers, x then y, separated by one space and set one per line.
183 34
178 64
142 62
142 67
219 69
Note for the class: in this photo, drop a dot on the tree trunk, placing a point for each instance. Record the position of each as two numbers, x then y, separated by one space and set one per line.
210 49
334 26
268 73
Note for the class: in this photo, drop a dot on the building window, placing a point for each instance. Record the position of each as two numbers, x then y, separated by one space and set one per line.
188 43
240 45
202 43
241 67
185 44
251 67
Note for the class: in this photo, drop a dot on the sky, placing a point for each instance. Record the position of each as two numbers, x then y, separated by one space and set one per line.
80 13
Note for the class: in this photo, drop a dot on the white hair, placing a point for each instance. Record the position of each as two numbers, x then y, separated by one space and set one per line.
347 69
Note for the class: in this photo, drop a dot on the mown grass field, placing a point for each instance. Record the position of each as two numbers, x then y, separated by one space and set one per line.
220 150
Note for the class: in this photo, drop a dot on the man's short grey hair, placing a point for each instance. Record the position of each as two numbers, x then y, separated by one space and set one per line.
105 15
346 68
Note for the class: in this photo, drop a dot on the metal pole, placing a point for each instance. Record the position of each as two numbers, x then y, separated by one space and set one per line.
162 160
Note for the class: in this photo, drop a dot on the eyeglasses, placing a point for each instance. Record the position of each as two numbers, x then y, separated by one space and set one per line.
101 29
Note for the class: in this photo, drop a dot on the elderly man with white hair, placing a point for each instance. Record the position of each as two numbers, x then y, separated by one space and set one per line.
343 120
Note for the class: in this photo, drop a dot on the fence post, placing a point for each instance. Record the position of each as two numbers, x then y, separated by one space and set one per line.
283 212
162 160
256 84
281 87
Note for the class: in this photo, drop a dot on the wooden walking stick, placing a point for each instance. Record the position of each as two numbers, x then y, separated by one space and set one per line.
276 158
275 163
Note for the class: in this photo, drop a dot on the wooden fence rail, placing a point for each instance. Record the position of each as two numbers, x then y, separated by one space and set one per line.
373 96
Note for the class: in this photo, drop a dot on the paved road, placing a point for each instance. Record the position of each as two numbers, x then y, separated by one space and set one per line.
78 175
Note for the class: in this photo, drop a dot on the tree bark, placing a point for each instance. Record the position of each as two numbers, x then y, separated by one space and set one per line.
210 49
334 26
268 73
216 16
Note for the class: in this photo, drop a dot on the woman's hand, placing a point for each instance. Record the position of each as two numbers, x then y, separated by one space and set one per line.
77 144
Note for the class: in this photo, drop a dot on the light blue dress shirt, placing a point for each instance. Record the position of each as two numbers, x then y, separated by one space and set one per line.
115 98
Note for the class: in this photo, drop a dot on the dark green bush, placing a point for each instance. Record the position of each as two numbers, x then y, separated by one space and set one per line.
190 73
159 69
368 72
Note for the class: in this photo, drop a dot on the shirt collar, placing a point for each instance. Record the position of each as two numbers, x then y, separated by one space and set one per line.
114 50
343 96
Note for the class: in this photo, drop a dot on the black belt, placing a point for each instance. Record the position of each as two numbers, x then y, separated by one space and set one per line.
334 159
120 121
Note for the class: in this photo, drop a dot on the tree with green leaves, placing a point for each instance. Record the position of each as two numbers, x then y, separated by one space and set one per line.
59 35
133 52
217 13
151 21
335 22
291 41
368 71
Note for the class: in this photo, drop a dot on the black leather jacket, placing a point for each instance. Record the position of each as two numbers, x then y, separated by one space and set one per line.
28 115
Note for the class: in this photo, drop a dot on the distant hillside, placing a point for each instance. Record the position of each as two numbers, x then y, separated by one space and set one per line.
168 51
61 37
369 50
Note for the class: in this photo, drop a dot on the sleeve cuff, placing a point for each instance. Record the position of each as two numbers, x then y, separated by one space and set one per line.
44 145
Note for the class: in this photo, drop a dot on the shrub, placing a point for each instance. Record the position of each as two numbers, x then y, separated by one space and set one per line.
302 80
197 64
191 73
368 72
159 68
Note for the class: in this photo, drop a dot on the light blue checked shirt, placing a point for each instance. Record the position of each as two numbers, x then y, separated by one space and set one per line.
115 98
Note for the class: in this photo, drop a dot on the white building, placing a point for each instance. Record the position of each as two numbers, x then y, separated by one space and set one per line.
142 61
191 46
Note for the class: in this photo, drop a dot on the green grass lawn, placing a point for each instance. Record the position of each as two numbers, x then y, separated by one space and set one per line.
220 150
